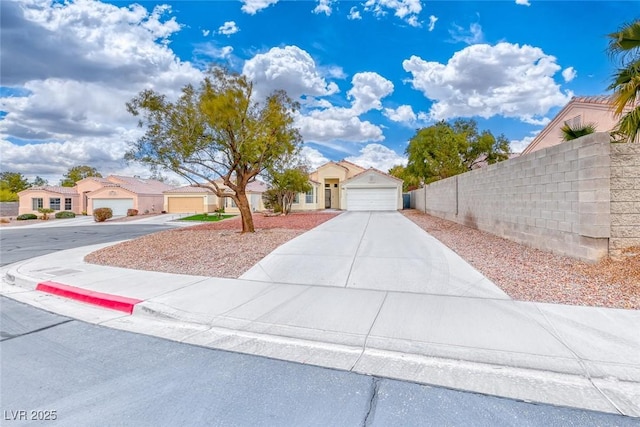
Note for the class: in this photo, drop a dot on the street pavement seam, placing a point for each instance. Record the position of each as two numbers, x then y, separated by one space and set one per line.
366 338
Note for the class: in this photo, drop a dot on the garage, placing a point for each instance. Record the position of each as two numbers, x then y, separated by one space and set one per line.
372 190
372 199
118 206
185 204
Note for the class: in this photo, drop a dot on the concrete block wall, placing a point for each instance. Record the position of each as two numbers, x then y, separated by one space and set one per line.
556 199
625 198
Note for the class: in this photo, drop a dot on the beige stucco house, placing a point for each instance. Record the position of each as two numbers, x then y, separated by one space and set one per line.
346 186
119 193
335 185
201 199
579 111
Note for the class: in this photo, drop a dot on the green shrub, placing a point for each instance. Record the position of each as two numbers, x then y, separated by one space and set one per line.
102 214
26 216
65 214
132 212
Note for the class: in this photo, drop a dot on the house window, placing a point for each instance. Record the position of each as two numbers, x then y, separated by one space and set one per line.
67 204
37 203
231 203
327 185
335 185
308 196
54 203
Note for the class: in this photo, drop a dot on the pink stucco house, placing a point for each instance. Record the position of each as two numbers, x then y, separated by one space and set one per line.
119 193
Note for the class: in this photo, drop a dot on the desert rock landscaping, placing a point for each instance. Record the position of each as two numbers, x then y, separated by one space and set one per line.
220 250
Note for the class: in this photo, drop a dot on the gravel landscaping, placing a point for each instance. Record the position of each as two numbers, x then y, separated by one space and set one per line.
215 249
529 274
220 250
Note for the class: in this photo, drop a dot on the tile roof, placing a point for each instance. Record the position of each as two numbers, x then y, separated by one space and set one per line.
56 189
195 189
372 169
139 185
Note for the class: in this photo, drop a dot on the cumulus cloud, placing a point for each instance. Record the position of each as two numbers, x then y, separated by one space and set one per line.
72 76
289 68
205 33
569 74
402 114
254 6
432 22
377 156
471 36
325 126
518 145
228 28
323 6
354 14
313 157
482 80
407 10
523 2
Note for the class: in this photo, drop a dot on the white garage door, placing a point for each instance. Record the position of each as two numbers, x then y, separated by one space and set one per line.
372 199
118 206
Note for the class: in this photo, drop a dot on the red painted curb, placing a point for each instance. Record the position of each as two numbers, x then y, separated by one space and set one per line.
114 302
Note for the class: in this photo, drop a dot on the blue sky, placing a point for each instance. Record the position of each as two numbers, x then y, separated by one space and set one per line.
368 74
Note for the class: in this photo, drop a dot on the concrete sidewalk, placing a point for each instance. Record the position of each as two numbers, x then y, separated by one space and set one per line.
582 357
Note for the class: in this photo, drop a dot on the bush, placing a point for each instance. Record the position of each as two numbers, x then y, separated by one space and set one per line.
45 213
132 212
7 195
65 214
102 214
26 216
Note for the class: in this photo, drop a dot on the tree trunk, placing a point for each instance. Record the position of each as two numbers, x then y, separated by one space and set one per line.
245 213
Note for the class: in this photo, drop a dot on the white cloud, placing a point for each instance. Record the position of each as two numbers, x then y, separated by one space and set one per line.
407 10
367 91
518 146
253 6
313 157
432 22
206 32
523 2
569 74
228 28
289 68
73 86
471 36
354 14
402 114
323 6
377 156
486 81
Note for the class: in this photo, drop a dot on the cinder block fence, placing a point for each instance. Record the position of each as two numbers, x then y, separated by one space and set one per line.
579 198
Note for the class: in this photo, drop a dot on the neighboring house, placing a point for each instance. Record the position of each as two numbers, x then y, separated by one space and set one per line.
200 199
579 111
347 186
119 193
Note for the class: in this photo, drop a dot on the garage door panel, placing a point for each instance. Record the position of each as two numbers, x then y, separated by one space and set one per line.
185 205
118 206
372 199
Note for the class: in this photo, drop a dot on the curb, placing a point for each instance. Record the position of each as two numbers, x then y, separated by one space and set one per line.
113 302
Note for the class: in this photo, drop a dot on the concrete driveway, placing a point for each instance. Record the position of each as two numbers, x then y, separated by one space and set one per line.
373 250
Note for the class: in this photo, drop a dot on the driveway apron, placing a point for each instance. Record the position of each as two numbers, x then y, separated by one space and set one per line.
373 250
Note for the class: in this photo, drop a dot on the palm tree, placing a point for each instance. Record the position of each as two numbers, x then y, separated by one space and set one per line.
625 43
574 132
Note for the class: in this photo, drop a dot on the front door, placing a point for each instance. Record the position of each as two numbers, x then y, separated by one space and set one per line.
327 198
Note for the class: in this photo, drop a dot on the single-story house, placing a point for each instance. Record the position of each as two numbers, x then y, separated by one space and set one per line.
119 193
346 186
201 199
580 111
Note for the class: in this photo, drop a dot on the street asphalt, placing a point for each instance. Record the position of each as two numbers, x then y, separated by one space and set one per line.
372 293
